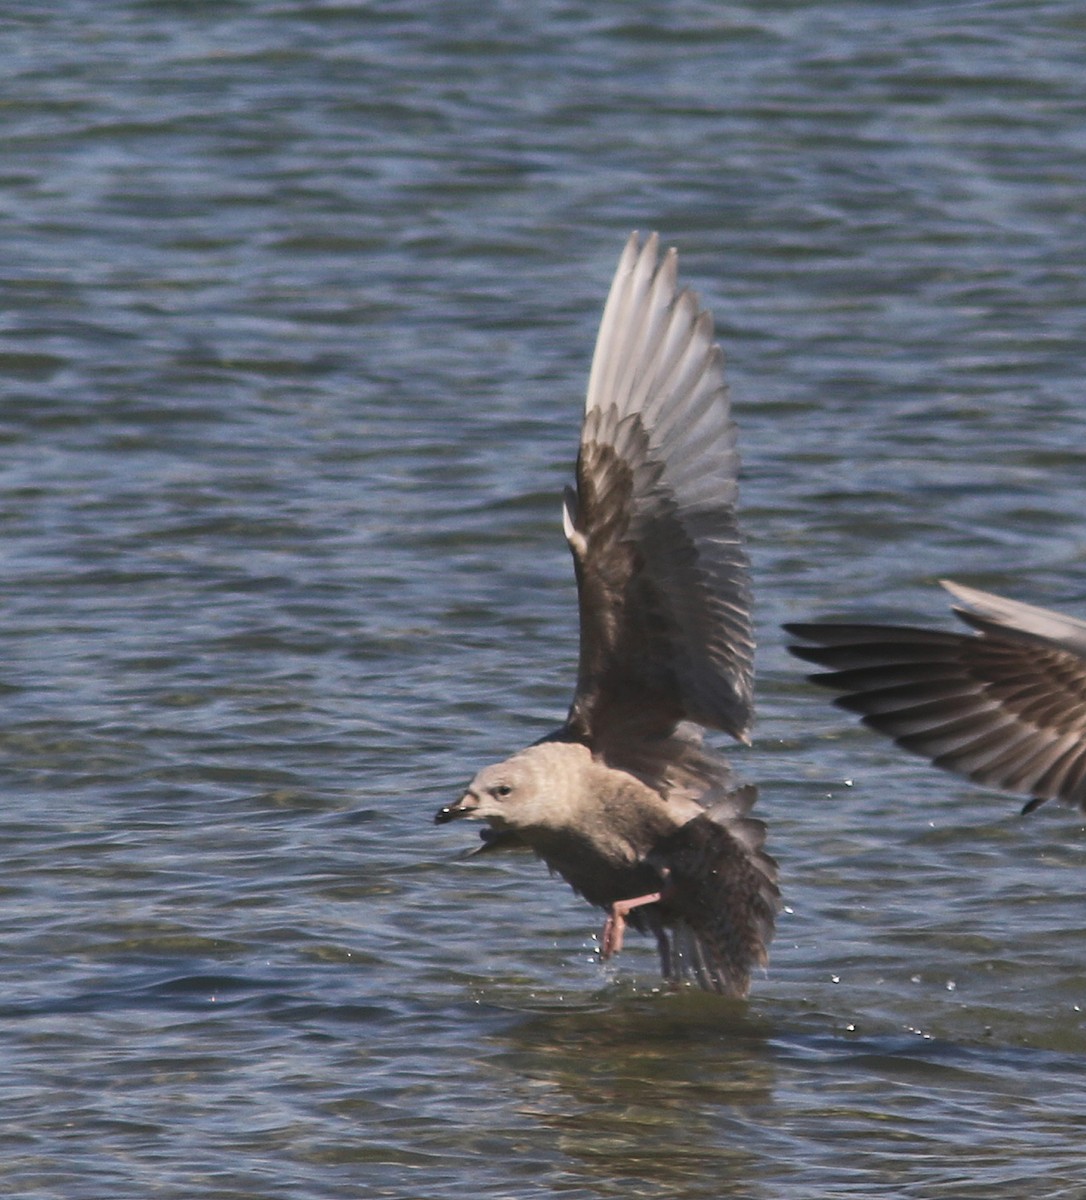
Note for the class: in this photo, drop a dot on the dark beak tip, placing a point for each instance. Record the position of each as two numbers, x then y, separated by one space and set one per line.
449 813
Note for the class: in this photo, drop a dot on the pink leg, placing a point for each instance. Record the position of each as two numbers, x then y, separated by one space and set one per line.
614 928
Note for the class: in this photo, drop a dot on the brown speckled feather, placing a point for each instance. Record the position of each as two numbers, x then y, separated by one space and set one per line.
721 891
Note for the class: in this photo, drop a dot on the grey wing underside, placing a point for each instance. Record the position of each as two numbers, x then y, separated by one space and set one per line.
662 574
1004 706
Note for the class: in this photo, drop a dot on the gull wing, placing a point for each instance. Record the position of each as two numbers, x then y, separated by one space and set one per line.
662 576
722 895
1004 706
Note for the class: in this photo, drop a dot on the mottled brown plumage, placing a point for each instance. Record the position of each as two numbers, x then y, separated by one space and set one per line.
624 801
1004 706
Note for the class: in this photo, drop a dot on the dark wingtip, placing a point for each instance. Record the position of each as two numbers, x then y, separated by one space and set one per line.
812 654
805 650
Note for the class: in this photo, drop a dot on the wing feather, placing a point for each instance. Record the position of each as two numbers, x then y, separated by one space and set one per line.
663 580
1004 705
722 897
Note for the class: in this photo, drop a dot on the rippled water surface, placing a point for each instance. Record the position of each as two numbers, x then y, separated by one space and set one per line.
298 301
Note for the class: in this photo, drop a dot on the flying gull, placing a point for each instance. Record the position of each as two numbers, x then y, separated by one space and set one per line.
624 801
1004 706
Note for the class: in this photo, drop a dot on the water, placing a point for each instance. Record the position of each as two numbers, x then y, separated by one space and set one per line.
297 307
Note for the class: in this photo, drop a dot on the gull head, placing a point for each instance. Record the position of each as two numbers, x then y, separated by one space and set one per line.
531 790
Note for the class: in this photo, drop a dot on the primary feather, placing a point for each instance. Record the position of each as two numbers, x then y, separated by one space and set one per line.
1004 705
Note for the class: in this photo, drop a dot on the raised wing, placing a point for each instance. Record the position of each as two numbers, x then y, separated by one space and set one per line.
1005 707
662 575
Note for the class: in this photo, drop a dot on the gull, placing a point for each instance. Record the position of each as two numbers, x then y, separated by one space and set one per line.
625 801
1004 705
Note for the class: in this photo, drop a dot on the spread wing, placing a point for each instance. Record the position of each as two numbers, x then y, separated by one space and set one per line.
662 575
1005 706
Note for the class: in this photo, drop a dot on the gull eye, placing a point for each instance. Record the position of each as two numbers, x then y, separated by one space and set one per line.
503 789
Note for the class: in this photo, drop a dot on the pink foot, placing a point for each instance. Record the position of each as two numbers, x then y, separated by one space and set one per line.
614 928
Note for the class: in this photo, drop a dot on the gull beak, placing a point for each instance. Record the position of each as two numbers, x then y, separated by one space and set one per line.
464 807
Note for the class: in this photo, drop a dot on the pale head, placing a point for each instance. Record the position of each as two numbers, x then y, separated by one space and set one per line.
534 789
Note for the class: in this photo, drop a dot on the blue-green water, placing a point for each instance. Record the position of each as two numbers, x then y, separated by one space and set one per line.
297 302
